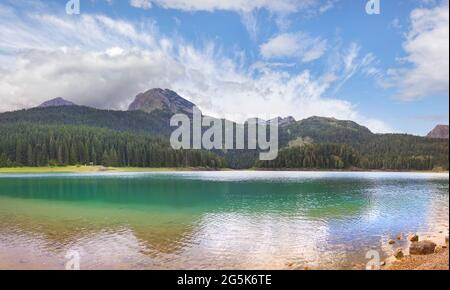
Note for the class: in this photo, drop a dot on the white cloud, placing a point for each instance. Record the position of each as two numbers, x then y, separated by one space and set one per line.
297 45
377 126
279 6
103 62
247 9
427 48
144 4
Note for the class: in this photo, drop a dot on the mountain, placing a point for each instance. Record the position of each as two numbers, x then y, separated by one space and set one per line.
286 121
150 114
283 122
164 100
155 123
439 132
58 102
325 130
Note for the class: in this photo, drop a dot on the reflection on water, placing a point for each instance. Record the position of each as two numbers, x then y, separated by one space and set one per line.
214 220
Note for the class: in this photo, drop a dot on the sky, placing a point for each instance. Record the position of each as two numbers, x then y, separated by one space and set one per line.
235 58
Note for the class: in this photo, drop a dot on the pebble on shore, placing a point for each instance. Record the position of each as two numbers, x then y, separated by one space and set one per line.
413 238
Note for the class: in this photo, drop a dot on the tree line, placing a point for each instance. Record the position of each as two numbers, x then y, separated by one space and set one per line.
404 152
314 156
377 155
24 144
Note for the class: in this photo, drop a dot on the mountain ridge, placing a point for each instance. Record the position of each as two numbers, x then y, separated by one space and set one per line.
161 99
377 151
154 105
56 102
439 132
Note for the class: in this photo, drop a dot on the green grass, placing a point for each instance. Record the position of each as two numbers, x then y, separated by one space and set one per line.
90 169
93 169
65 169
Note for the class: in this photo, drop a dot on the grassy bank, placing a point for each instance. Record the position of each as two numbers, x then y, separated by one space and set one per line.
93 169
90 169
352 169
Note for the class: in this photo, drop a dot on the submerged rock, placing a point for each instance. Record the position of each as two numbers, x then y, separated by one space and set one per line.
414 238
391 242
400 237
422 248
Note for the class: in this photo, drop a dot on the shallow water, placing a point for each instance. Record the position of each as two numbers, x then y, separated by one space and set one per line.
214 220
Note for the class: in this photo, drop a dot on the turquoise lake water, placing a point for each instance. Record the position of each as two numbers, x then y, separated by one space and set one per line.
214 220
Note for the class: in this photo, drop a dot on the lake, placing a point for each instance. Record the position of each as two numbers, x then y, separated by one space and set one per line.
214 220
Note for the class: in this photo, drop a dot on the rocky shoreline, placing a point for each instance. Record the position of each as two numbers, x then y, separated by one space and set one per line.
436 261
427 254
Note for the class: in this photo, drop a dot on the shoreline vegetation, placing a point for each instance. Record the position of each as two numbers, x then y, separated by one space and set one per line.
98 169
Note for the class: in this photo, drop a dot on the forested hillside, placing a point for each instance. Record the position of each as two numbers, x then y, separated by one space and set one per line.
373 151
404 152
324 143
376 155
326 130
24 144
67 135
155 123
314 156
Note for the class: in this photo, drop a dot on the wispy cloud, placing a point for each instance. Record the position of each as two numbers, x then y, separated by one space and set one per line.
248 10
144 4
104 62
294 45
279 6
425 69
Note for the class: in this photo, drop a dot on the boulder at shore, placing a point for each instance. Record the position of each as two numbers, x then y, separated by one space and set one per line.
398 254
422 248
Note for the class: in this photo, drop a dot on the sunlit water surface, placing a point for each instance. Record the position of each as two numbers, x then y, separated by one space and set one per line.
214 220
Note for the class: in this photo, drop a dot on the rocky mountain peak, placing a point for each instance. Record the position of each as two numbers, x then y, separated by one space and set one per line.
57 102
159 99
439 132
282 122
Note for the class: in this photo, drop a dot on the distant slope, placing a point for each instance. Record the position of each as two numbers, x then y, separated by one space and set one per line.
373 151
325 130
156 123
58 102
439 132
